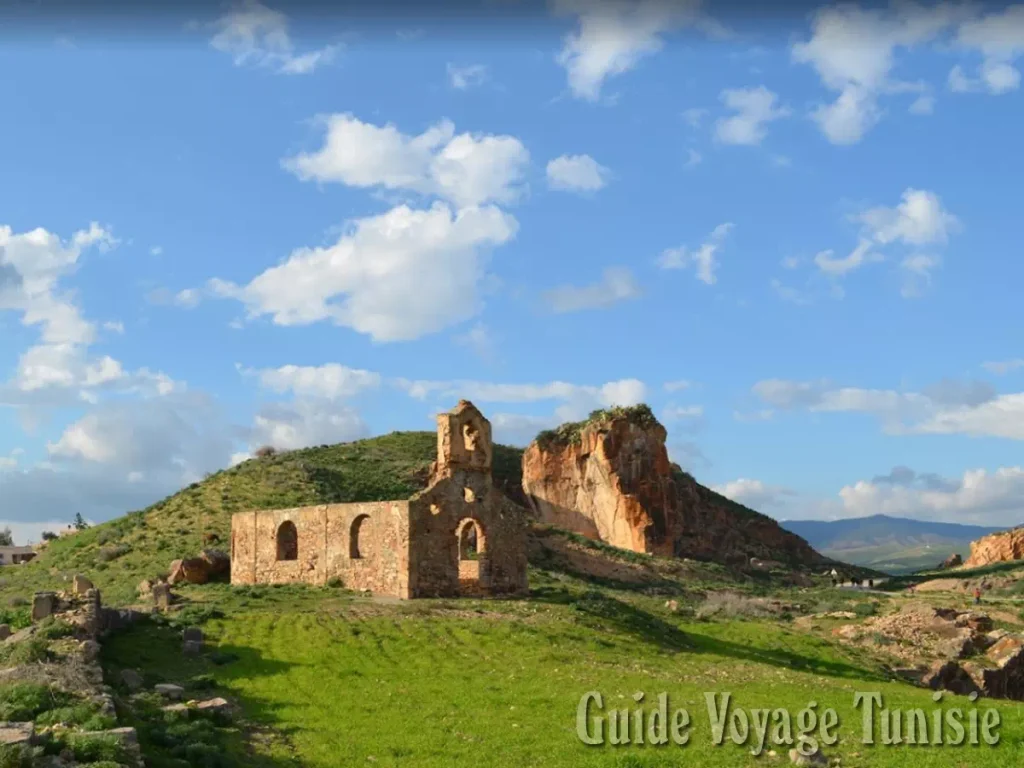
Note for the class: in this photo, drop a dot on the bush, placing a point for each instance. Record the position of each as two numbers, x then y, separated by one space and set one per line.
15 756
265 452
92 748
54 629
865 609
28 651
335 582
106 554
26 701
729 605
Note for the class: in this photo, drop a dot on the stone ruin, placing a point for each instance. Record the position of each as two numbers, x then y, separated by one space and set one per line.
459 536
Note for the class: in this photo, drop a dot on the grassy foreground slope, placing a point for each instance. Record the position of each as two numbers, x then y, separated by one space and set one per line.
118 554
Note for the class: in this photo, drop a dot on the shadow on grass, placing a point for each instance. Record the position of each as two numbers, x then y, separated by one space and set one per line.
154 649
599 609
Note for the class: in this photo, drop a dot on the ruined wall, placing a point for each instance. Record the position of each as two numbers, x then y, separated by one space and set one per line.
434 519
324 546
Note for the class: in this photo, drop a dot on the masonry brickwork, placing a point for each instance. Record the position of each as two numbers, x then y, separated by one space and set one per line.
459 536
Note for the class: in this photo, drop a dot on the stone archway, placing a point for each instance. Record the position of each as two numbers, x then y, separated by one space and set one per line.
471 542
287 541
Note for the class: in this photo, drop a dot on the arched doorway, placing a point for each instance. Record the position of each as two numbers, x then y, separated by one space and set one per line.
357 537
287 541
471 541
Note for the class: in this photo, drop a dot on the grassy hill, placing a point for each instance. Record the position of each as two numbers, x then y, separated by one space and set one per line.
891 544
120 553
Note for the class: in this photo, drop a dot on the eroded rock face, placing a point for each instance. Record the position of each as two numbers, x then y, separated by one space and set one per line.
615 483
953 561
997 548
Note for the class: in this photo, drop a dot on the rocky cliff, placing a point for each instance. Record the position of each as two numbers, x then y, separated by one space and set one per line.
610 478
997 548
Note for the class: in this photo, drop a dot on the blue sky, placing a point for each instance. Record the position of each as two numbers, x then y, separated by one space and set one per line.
797 238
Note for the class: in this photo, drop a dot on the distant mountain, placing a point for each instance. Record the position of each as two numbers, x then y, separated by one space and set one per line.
892 544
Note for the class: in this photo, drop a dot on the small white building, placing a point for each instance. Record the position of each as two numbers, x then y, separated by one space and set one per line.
16 555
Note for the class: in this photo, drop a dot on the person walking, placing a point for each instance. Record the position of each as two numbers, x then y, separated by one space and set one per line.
977 595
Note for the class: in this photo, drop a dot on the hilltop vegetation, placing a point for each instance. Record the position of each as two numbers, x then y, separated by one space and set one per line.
120 553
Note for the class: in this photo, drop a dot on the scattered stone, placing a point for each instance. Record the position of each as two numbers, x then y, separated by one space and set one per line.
169 690
131 679
90 650
162 597
145 587
43 605
219 562
80 585
214 705
193 634
14 734
191 648
179 707
192 570
672 605
815 758
5 631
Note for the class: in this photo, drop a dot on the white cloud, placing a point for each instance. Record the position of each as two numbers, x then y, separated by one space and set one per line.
827 262
853 50
304 423
576 400
156 250
703 258
949 407
464 78
577 173
467 169
919 219
256 35
753 493
695 116
693 157
396 277
1003 366
519 429
979 497
678 385
617 284
755 108
687 417
613 35
114 326
999 37
331 381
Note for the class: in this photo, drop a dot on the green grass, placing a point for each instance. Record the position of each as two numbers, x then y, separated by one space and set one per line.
347 681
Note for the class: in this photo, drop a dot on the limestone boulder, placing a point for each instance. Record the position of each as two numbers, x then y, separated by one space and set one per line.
219 563
192 570
80 585
5 631
16 734
44 604
162 597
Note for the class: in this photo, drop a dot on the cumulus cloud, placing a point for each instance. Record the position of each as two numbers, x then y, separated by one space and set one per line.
613 36
466 169
330 381
396 277
304 423
853 50
948 407
255 35
577 173
754 108
617 284
999 37
702 259
576 400
978 497
918 220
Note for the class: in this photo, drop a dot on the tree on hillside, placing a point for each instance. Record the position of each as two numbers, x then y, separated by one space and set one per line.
6 538
80 524
265 452
49 535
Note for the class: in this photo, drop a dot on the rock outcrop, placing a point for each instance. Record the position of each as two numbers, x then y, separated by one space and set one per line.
953 561
610 479
997 548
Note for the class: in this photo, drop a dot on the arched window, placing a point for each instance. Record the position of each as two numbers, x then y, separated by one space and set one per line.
354 550
287 541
